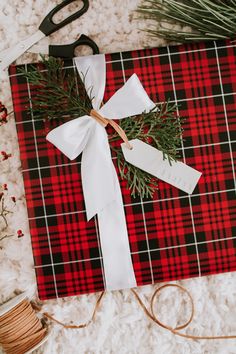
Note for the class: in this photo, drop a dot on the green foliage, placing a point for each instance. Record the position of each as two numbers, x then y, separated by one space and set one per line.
61 94
208 19
159 128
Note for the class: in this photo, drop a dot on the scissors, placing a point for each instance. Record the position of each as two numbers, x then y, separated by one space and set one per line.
66 50
47 27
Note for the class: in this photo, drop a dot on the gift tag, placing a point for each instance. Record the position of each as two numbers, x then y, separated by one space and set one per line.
149 159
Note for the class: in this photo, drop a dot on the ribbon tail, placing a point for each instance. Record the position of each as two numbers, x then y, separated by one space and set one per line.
118 267
103 197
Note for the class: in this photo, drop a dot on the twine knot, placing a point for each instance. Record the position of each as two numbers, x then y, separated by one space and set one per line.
104 122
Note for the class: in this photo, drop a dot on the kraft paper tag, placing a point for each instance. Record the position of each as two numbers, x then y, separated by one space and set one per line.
150 159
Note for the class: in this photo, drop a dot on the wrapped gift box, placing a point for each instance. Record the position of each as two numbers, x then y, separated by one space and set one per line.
173 235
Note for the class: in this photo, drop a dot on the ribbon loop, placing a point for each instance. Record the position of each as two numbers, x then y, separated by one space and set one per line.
130 100
72 137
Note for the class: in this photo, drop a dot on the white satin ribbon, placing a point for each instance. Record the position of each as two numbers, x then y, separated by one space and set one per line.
100 182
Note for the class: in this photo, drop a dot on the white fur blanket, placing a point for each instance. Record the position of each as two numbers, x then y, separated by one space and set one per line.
120 326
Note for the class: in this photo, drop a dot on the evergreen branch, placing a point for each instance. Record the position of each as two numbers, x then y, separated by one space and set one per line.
138 181
57 94
5 236
160 128
3 212
207 19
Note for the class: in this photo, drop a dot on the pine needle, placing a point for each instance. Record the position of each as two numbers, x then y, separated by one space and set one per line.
207 19
56 93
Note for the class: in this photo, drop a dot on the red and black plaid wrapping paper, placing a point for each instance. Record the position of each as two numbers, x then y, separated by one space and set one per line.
173 236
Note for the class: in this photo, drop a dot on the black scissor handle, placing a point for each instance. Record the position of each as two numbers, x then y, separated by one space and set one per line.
68 50
48 26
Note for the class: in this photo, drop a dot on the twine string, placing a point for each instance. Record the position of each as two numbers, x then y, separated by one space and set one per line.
21 330
83 325
152 315
104 122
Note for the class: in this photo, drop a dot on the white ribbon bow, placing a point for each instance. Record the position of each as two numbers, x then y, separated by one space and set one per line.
100 183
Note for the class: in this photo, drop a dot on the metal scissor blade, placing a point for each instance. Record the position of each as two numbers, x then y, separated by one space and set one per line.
40 48
3 54
20 48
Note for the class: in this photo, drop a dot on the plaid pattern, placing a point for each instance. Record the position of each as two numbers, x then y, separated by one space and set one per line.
174 235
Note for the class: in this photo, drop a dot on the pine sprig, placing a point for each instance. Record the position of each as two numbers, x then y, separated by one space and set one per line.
59 94
138 181
207 19
159 128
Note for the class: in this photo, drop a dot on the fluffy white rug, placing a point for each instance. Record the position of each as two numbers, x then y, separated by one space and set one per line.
121 326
